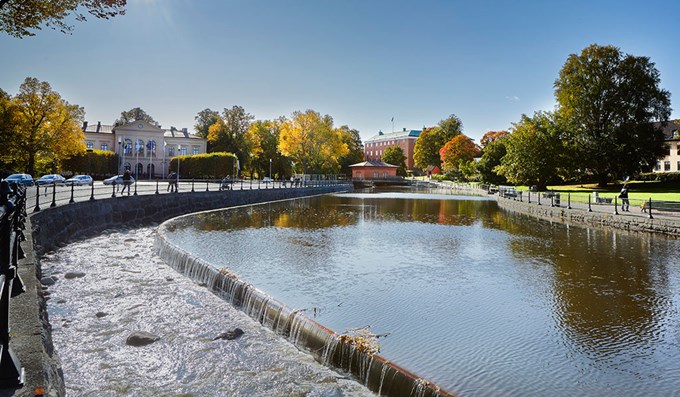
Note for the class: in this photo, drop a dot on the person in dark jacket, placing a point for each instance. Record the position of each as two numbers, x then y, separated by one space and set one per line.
127 181
625 204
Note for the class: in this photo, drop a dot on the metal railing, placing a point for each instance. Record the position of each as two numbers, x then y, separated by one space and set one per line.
12 218
46 196
594 202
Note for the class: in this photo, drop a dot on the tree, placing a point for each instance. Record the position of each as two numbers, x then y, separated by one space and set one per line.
534 151
426 149
262 139
493 136
460 149
312 142
204 119
450 127
395 155
431 140
19 17
228 133
492 155
40 128
355 148
134 114
609 101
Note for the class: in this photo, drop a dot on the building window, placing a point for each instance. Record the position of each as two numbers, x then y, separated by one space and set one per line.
90 145
183 151
196 150
384 174
171 151
667 165
105 146
658 166
678 165
139 147
128 147
151 147
375 174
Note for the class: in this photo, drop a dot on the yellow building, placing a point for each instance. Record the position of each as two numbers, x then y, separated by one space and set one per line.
671 161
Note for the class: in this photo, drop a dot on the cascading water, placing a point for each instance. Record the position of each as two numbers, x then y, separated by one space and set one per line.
304 333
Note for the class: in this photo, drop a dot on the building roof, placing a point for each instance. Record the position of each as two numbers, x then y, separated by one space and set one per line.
98 128
175 133
394 135
373 163
671 131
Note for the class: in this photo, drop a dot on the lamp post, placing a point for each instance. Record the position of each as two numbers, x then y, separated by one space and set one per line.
270 169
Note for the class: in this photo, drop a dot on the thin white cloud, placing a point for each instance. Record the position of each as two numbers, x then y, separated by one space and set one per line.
512 98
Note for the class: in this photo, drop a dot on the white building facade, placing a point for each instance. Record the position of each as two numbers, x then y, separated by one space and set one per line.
671 161
143 148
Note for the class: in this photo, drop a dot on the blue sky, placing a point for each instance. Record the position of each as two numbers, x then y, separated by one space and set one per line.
361 61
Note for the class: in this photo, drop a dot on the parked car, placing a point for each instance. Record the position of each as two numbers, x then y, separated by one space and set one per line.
118 179
266 179
79 180
50 179
20 179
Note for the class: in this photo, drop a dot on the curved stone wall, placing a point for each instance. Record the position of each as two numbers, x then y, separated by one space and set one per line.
376 373
53 227
597 219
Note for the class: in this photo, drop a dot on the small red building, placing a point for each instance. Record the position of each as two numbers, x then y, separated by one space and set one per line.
373 169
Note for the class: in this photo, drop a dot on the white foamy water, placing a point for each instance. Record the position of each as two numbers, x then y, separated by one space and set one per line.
126 288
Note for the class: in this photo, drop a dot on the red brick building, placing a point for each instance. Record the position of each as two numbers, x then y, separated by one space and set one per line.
405 139
375 169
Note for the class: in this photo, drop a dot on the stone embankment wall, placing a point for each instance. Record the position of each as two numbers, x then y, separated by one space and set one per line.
598 219
54 227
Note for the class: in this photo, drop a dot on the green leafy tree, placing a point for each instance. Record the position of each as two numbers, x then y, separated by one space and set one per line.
19 17
492 155
352 139
608 102
42 128
534 151
395 155
450 127
228 134
134 114
204 119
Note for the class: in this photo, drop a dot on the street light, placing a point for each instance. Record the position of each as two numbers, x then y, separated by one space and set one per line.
270 169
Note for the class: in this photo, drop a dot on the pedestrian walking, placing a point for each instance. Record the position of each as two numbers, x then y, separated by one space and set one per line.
625 204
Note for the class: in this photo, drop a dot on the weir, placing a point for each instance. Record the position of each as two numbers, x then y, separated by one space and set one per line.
375 372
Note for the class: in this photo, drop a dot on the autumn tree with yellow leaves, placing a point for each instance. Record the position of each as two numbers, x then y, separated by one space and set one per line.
39 128
312 142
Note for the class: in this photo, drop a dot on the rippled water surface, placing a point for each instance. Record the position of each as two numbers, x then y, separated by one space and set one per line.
480 301
124 288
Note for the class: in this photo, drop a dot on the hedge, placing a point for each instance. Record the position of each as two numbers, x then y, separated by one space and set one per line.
206 166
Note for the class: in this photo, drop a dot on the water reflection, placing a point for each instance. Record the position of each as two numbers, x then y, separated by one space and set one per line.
482 301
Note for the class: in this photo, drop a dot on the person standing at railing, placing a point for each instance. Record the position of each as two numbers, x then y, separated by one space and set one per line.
172 182
127 181
625 204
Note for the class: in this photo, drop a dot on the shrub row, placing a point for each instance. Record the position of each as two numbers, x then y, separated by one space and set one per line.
207 166
659 176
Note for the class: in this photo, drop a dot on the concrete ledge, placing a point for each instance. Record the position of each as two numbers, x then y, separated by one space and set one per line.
55 227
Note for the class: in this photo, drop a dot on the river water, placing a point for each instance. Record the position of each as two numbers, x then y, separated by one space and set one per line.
110 286
481 301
